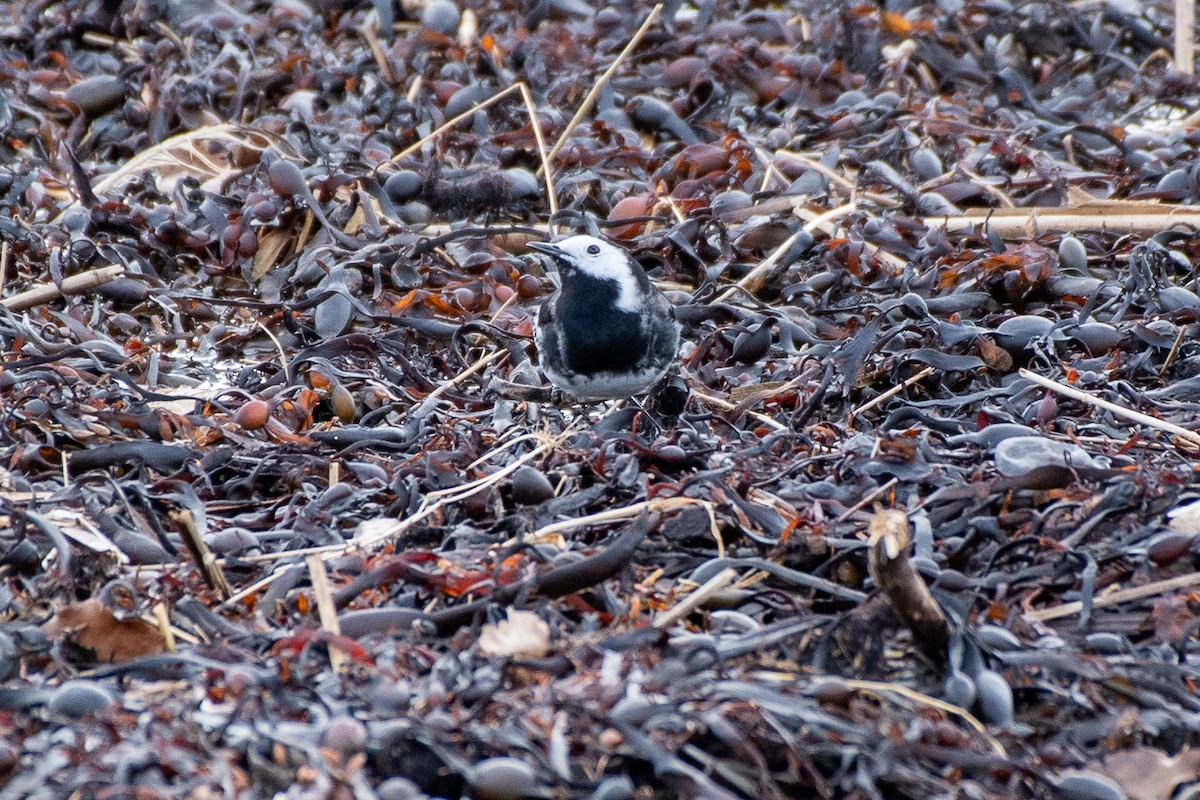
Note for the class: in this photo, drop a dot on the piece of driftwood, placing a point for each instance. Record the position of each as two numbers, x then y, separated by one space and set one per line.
899 581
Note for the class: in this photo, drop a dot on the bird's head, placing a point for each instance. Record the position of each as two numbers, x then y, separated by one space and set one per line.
597 259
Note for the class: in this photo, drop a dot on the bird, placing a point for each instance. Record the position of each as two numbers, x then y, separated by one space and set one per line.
606 332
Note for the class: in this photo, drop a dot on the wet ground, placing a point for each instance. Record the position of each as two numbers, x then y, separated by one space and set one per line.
285 508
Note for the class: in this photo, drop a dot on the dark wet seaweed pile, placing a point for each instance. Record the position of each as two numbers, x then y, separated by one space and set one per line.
287 511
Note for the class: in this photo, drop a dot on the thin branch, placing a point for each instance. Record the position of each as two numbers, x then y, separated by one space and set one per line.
892 392
898 580
1117 597
283 362
253 588
462 376
164 625
879 687
727 405
450 123
754 280
866 501
1174 351
1191 437
368 33
849 186
547 175
1119 217
415 88
613 514
75 284
214 576
325 608
171 635
1185 43
982 182
590 100
690 603
433 503
3 264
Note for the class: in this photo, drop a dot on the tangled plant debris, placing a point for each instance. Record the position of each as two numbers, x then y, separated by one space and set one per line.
287 511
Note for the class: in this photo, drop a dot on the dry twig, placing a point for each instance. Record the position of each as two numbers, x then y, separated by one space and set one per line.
590 99
614 514
164 625
432 504
754 280
690 603
381 60
727 405
325 607
450 123
878 687
1117 597
1191 437
849 186
547 175
1122 217
75 284
892 392
1185 42
867 500
463 376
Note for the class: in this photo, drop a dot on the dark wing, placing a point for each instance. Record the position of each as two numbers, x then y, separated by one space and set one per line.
546 314
544 330
663 331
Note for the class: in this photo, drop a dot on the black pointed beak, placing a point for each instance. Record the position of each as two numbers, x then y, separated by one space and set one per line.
551 250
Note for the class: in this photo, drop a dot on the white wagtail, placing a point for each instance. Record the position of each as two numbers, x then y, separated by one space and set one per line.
606 332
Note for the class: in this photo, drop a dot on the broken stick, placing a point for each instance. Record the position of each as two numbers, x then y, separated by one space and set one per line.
899 581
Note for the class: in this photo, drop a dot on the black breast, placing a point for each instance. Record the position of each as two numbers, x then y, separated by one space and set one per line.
597 337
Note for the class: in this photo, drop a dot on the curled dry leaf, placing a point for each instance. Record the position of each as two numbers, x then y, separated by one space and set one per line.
93 627
523 635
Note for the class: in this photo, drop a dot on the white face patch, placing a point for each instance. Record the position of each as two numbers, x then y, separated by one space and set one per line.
599 259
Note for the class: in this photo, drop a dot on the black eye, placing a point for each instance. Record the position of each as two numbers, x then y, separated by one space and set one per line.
593 249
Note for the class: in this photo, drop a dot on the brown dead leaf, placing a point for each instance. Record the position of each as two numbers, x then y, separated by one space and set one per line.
93 627
993 355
